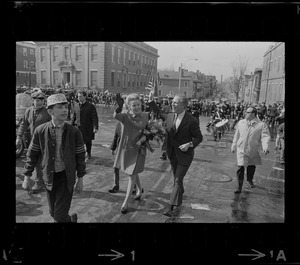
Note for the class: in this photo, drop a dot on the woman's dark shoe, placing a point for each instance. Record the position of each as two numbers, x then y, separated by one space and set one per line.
138 197
114 189
124 210
237 191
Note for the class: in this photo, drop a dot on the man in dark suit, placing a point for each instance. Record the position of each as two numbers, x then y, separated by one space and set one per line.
183 136
87 120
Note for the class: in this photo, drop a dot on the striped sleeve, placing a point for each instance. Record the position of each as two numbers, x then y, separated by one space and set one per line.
80 149
34 147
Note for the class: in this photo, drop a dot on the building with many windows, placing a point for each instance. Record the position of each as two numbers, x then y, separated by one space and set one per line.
25 63
192 85
119 67
273 75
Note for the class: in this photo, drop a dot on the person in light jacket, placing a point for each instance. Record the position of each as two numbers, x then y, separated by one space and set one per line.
251 134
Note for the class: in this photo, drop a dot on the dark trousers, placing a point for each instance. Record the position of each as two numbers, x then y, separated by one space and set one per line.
88 146
117 176
241 171
179 171
59 198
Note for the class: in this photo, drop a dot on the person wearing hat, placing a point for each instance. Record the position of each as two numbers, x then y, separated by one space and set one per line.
88 120
60 147
33 117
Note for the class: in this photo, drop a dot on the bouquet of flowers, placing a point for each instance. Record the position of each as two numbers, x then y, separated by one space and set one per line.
155 130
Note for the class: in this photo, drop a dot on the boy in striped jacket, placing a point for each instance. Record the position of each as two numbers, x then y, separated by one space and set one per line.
60 147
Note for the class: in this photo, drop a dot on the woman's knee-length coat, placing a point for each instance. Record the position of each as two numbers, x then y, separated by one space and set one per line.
128 157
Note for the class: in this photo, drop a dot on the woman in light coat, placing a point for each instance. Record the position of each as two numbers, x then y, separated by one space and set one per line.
251 134
130 157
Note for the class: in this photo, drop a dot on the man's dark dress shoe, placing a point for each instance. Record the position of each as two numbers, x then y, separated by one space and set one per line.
114 189
251 184
168 213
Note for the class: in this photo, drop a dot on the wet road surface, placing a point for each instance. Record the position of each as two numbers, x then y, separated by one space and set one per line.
209 186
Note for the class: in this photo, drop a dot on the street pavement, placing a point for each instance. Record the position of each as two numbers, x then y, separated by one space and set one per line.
209 186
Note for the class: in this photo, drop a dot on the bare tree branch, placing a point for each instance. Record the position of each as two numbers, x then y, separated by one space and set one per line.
238 70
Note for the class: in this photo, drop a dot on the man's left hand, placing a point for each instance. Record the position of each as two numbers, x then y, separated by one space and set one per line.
95 130
78 185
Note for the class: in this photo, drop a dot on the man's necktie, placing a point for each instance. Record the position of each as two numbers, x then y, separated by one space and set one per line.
174 122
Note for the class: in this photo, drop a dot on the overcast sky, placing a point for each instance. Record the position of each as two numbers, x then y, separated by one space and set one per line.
213 57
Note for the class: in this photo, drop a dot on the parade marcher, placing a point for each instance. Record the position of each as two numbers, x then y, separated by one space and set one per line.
183 135
238 115
280 142
129 156
60 147
88 121
250 135
33 117
194 109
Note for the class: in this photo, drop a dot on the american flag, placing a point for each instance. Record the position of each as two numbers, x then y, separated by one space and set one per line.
152 84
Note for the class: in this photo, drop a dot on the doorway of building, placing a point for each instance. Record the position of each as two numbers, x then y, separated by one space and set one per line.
67 77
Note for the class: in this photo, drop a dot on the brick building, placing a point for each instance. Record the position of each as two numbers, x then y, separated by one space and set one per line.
25 63
250 86
273 74
119 67
192 85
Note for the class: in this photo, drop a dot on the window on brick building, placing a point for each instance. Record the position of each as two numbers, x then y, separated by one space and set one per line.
94 78
112 79
124 57
129 57
133 59
24 51
124 80
25 64
31 52
133 79
78 78
129 79
119 56
113 54
43 77
78 53
43 54
55 77
55 54
94 53
67 52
